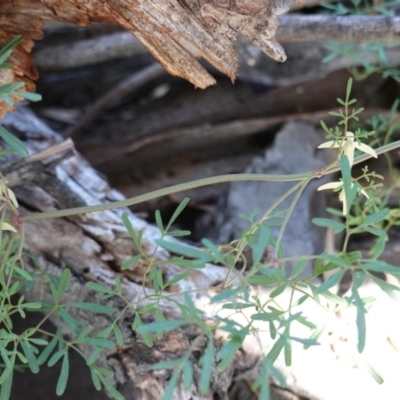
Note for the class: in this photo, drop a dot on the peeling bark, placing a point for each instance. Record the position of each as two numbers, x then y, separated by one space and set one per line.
176 32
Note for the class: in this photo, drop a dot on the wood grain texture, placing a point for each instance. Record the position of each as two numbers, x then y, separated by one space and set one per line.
176 32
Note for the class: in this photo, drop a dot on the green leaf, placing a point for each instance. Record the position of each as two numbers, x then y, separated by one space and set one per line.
169 391
12 43
57 290
331 281
378 248
131 262
187 372
159 222
329 223
298 269
95 377
237 306
178 233
275 351
100 288
378 378
348 89
177 212
263 280
68 319
136 237
63 378
388 288
118 284
305 342
93 307
107 344
335 259
288 353
278 290
334 211
5 387
177 278
6 64
30 96
169 364
259 247
15 144
341 102
193 313
185 251
11 88
111 390
381 266
93 357
7 363
218 256
207 368
262 383
360 320
32 306
118 335
56 356
272 329
44 355
378 216
4 56
350 190
88 328
228 351
324 127
157 277
30 356
225 295
160 326
305 322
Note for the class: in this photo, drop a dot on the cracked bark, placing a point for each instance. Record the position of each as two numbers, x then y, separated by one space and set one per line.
176 32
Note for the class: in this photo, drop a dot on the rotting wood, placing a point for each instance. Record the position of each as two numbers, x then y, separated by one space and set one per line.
177 33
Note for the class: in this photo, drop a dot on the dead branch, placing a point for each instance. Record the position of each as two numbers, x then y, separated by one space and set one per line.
176 32
292 28
310 28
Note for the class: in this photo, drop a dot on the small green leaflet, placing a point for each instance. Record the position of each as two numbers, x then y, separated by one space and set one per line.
160 326
207 368
185 250
64 373
14 143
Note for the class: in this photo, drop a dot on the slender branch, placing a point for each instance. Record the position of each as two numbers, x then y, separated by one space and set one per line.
195 184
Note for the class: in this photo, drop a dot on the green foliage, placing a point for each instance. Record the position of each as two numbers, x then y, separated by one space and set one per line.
370 56
7 94
365 210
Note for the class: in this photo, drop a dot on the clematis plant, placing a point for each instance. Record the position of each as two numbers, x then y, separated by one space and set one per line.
338 185
348 147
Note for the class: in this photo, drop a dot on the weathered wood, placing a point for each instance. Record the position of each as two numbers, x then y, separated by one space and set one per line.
177 33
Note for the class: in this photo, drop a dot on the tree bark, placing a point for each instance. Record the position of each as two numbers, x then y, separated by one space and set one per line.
176 32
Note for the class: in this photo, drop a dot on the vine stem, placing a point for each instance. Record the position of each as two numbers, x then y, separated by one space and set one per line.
196 184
